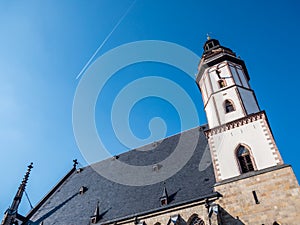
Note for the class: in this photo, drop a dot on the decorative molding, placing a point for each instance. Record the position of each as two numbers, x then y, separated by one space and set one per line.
215 160
236 123
272 143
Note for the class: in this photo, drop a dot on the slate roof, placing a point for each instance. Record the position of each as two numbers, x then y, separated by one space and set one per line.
67 206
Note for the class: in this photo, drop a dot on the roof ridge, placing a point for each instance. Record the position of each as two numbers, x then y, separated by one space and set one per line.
134 149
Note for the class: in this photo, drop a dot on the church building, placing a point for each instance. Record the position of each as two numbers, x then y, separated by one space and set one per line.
243 179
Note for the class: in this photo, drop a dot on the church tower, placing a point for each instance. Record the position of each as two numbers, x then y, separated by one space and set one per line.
250 173
247 182
239 130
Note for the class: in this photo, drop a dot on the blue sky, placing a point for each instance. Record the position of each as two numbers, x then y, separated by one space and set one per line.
44 45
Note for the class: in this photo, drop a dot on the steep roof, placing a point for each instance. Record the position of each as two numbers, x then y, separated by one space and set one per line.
116 201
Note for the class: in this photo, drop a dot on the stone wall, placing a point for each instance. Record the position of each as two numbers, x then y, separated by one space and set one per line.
278 199
162 217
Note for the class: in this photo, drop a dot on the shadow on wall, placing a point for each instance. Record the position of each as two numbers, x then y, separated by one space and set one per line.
226 218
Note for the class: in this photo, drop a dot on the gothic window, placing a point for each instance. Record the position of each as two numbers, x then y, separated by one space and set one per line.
244 159
222 83
195 220
229 107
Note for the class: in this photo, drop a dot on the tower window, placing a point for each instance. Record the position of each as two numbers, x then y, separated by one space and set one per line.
244 159
222 83
229 107
255 197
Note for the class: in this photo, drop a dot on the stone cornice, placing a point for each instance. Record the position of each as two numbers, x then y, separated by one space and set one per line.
236 123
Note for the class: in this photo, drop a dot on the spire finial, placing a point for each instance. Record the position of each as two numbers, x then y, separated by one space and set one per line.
25 179
75 163
12 211
208 36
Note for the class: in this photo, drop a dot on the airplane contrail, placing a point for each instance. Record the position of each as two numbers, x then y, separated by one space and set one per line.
106 39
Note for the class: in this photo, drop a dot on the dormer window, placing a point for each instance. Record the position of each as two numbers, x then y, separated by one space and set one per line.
229 107
96 217
164 198
222 83
163 201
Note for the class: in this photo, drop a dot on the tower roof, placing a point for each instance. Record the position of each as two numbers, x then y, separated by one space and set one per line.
211 44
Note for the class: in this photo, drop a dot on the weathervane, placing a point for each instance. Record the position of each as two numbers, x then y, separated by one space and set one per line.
207 36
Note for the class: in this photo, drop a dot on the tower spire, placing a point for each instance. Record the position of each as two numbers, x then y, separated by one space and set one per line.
11 213
235 121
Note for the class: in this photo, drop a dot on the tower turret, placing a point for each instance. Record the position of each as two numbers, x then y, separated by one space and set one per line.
11 215
224 83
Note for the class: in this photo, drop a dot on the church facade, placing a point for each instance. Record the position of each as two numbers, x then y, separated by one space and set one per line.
244 180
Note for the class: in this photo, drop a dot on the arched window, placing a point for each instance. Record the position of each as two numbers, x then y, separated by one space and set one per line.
229 107
195 220
244 159
222 83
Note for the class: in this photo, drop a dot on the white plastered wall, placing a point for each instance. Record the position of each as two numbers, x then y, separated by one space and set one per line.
255 136
214 97
232 95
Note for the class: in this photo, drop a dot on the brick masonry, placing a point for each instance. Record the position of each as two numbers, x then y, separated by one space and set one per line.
278 194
